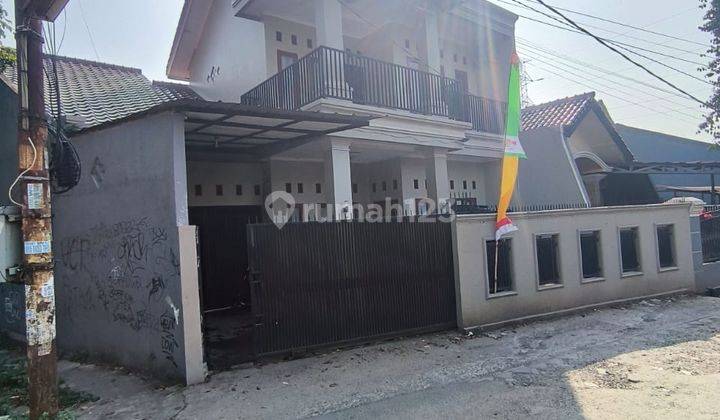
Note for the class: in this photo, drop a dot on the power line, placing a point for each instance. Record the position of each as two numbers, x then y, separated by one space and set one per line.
637 28
623 55
696 53
670 111
89 32
600 69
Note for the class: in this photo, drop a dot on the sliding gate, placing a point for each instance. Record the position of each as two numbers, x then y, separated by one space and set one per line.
317 284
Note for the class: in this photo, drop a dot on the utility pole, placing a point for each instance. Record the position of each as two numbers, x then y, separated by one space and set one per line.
34 181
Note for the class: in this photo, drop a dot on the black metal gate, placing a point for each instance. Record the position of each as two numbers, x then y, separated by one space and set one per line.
316 284
710 234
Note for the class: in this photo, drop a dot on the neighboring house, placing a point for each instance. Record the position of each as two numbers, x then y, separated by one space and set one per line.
572 147
652 146
8 135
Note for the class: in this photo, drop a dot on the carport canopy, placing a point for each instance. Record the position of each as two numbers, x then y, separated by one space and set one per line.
245 129
232 127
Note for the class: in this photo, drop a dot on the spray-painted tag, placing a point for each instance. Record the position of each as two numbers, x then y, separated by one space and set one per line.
37 247
35 196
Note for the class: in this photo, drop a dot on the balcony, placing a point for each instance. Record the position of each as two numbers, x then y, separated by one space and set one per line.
331 73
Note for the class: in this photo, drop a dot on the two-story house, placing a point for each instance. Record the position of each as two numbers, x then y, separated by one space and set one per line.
432 75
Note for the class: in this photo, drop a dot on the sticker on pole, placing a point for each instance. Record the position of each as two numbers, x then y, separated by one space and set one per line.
35 196
37 247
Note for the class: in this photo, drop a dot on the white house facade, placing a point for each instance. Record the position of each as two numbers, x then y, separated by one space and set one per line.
431 75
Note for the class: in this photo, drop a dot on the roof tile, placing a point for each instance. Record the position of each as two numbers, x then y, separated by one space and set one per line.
560 113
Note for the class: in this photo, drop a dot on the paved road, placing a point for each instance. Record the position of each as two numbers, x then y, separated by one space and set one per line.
655 359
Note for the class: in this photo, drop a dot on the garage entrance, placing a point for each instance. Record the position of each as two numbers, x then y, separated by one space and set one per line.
225 289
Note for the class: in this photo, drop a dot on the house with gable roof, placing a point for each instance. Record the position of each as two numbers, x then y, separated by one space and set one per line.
572 146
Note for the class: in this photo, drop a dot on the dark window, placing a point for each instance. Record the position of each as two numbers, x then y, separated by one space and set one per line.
426 184
407 43
590 250
474 185
238 189
300 188
464 185
257 190
218 190
416 184
293 39
384 186
547 254
288 187
198 190
452 184
666 246
374 187
395 184
355 188
504 281
309 43
318 188
455 58
278 36
629 250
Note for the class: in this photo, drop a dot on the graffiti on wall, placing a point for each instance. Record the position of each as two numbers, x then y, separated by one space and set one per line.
121 272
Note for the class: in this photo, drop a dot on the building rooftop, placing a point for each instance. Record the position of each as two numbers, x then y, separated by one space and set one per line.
559 113
93 93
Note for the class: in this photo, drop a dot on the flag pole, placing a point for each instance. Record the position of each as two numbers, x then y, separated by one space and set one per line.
497 251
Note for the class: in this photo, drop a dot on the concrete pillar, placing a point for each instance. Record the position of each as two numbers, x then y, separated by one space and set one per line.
432 41
328 24
338 180
438 180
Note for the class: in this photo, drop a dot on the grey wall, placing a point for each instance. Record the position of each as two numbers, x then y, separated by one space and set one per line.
8 140
547 175
476 308
706 275
116 240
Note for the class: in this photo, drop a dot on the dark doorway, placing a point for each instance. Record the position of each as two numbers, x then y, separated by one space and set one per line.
225 290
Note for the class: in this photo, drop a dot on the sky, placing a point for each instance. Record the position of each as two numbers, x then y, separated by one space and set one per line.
139 33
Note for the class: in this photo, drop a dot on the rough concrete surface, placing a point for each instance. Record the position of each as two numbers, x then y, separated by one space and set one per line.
656 359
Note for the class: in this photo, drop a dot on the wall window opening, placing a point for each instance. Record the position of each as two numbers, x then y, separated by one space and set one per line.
318 189
257 190
503 283
238 189
219 190
629 250
416 184
590 254
666 246
300 188
198 190
547 253
288 188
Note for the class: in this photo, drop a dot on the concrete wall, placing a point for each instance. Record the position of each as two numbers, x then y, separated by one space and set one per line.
12 295
8 139
477 308
230 59
706 275
117 243
548 175
208 175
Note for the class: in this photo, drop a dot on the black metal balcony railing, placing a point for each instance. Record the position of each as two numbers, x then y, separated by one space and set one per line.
331 73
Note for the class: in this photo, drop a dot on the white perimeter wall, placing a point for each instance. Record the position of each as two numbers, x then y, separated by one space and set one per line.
476 308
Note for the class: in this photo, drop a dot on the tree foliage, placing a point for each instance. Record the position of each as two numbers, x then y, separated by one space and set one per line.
7 55
711 124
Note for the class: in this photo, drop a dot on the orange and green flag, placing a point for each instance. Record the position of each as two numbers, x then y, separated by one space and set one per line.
513 152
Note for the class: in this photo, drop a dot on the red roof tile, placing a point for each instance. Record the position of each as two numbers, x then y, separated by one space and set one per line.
559 113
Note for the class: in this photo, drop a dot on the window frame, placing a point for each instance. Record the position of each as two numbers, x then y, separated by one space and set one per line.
537 262
673 267
638 251
514 292
601 256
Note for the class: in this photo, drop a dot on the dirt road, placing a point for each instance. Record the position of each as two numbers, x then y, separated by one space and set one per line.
655 359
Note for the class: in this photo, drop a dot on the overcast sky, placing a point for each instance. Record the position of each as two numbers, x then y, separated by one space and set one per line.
139 33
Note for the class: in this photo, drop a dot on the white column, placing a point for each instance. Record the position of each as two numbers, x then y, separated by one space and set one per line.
328 24
338 180
432 40
438 180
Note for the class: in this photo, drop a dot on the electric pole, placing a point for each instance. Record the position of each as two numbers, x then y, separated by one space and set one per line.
34 181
